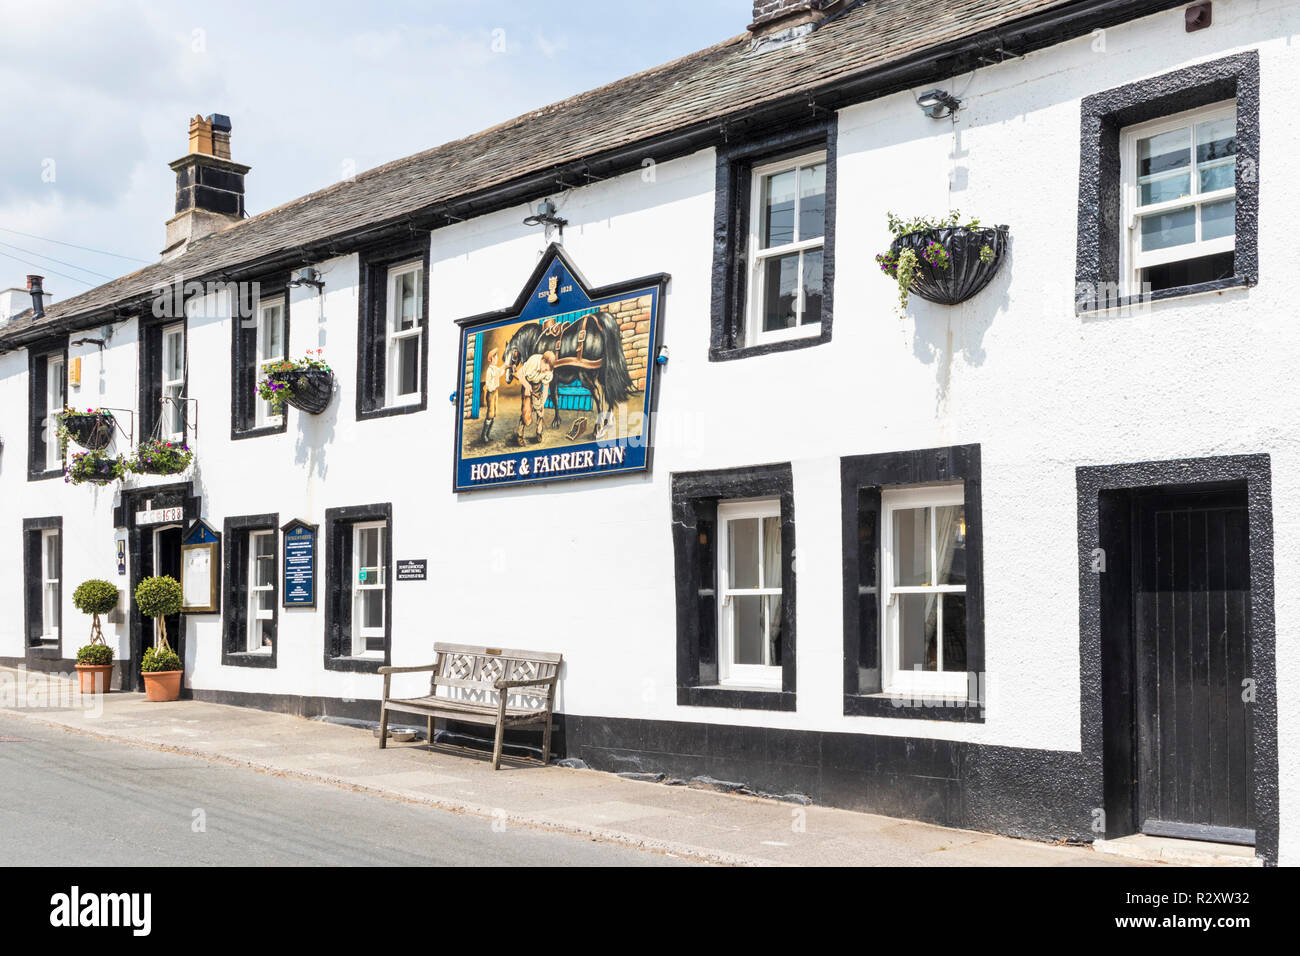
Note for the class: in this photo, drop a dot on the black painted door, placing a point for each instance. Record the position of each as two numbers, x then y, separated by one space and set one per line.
1192 617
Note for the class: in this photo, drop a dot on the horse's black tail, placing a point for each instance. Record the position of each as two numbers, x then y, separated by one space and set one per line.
613 371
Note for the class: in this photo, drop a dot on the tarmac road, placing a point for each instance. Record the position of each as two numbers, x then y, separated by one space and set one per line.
72 800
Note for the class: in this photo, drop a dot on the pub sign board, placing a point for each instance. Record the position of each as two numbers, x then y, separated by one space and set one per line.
298 564
561 385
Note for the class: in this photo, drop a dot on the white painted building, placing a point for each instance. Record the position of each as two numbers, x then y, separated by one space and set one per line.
1057 455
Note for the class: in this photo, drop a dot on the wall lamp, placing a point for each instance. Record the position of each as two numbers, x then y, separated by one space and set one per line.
937 104
309 276
545 215
99 342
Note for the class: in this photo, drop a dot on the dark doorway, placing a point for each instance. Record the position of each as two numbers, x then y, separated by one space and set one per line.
159 553
167 561
1192 628
1178 729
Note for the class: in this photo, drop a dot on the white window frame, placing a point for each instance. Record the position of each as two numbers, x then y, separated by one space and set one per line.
1132 260
263 416
940 683
757 255
395 336
170 411
744 675
253 630
56 399
51 603
359 633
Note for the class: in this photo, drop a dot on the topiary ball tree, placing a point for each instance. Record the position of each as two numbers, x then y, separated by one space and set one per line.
96 655
158 597
156 659
95 597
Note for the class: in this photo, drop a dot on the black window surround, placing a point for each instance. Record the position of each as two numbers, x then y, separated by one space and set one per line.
37 649
244 370
862 479
234 618
150 385
338 590
141 558
695 498
37 380
1104 115
731 222
372 338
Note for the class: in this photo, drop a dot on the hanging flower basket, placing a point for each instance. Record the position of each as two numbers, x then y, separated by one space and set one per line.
92 430
157 457
310 390
306 384
92 467
940 260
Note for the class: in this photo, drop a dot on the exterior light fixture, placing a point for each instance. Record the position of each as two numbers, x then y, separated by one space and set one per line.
545 216
1198 16
937 104
309 276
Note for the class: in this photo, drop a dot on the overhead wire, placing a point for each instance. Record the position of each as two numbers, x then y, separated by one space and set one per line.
73 245
41 255
37 265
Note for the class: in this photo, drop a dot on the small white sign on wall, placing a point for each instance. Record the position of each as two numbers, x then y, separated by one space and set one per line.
159 516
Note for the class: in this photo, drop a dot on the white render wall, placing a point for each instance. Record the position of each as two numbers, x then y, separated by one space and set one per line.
1015 370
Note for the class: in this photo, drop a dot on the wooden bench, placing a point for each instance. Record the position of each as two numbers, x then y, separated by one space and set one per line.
483 685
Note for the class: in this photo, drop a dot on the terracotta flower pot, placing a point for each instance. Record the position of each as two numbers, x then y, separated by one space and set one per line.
95 678
162 685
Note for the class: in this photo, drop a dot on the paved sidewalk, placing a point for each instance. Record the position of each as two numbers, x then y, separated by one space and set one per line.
697 824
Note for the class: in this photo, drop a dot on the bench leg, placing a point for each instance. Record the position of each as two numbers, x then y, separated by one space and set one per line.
383 727
430 737
546 742
496 747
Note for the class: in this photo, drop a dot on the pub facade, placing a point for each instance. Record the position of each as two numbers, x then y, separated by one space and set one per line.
888 411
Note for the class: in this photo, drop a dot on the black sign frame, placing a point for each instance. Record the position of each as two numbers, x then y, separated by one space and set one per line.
416 569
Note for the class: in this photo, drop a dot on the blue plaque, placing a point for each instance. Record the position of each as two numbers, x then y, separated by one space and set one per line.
299 564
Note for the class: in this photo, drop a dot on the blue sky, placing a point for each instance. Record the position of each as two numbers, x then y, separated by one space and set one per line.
95 99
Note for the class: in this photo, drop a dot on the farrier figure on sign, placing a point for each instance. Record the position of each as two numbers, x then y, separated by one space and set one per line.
535 378
491 385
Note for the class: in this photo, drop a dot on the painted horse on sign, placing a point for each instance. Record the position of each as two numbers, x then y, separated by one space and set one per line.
588 349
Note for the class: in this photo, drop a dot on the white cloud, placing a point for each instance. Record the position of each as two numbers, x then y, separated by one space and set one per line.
312 89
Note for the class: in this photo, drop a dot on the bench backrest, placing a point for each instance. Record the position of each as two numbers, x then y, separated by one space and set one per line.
469 672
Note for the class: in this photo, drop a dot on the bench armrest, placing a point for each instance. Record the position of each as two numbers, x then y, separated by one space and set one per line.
407 670
536 682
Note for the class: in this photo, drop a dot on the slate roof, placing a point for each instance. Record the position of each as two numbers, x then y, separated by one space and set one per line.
707 85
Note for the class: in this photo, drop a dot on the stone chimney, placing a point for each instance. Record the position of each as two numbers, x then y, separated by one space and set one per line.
795 17
209 186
